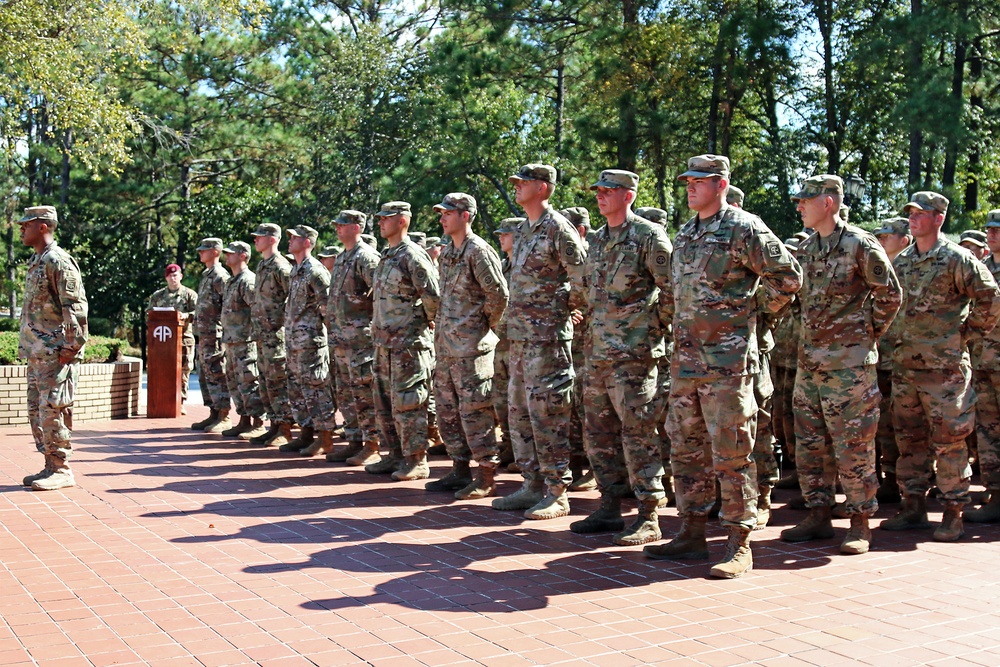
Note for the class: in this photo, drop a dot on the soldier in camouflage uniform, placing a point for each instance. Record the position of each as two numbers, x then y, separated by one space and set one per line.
626 284
894 236
849 297
208 329
949 300
328 257
720 256
237 336
436 444
986 380
434 246
735 196
308 354
473 300
547 263
185 301
974 241
405 303
268 321
501 356
349 316
53 333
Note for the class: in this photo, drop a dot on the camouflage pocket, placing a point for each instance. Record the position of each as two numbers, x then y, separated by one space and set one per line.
413 398
557 400
64 387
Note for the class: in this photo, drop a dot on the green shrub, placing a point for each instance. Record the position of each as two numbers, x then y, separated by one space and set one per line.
99 349
100 326
10 324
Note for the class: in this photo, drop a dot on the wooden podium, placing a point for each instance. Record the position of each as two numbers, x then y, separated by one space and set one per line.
164 343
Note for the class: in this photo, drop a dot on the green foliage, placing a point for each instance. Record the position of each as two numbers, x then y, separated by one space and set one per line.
10 324
99 349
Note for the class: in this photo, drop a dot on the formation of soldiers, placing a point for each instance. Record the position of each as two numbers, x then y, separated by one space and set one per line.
685 366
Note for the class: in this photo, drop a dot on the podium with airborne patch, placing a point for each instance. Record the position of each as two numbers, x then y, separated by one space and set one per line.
164 334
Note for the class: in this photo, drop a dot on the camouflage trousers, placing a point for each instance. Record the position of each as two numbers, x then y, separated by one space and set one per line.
712 423
501 383
836 416
309 383
782 415
933 411
212 373
400 392
885 436
355 367
621 402
987 384
464 387
662 394
578 415
763 444
242 378
187 363
273 365
541 399
51 388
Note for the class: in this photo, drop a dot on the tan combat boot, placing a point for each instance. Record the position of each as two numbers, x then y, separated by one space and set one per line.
738 559
912 515
483 484
457 478
527 496
321 445
220 424
644 530
951 528
306 437
414 467
859 536
607 518
352 448
213 415
257 429
60 477
282 437
816 526
242 426
435 445
989 512
554 505
367 456
45 472
763 506
581 481
386 464
263 438
689 544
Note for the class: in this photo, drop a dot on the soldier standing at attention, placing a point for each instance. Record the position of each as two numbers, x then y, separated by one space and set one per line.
349 315
548 259
405 303
53 333
268 319
974 241
986 379
308 354
501 372
237 336
848 299
185 301
473 299
328 257
949 300
208 329
720 256
627 287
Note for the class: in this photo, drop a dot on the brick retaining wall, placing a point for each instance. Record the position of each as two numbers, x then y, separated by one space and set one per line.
105 391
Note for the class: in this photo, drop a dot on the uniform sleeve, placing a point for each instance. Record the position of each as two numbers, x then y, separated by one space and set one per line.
66 283
488 273
979 285
250 291
881 278
780 273
190 304
572 257
366 265
424 276
658 265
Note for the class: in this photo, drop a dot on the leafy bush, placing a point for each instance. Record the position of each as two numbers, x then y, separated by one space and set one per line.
99 349
10 324
100 326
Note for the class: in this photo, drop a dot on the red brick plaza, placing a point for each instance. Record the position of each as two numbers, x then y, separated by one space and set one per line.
181 549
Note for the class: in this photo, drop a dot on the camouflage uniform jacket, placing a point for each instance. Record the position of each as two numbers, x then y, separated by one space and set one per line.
406 297
473 299
849 297
349 308
54 313
503 343
986 351
237 305
627 283
716 268
547 256
270 295
308 285
184 300
580 330
208 316
786 336
949 300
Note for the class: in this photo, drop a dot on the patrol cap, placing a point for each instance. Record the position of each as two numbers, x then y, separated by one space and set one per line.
927 201
211 243
508 225
330 251
734 196
303 231
535 172
457 201
238 246
653 214
973 236
993 218
46 213
617 178
370 240
420 238
351 217
577 215
172 269
896 225
391 208
435 241
704 166
267 229
821 184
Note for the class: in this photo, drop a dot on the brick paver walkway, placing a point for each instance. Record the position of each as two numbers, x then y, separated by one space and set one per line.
182 549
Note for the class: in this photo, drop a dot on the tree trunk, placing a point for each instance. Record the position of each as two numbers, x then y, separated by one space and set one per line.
958 96
831 136
560 105
628 143
971 198
916 64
